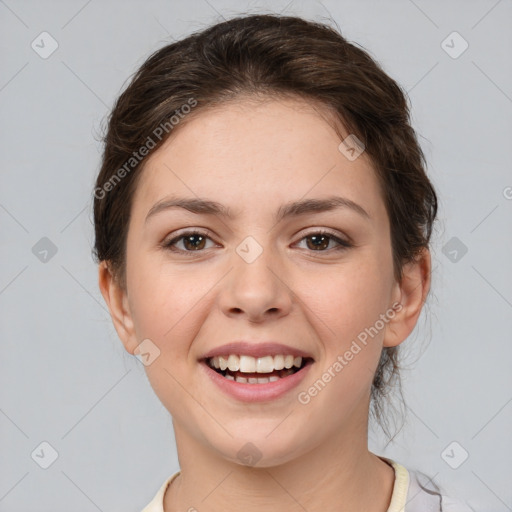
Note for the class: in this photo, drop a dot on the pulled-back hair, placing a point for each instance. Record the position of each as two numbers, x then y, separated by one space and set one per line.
269 56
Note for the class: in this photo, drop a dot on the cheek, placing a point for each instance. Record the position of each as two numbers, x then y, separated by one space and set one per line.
349 299
167 306
157 307
167 303
347 316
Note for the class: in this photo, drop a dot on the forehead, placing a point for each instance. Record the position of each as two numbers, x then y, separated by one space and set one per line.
258 153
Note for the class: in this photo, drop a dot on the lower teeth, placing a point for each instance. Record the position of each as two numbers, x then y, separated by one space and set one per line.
259 380
252 380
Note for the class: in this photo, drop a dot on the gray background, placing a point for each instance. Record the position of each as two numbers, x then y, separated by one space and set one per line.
65 377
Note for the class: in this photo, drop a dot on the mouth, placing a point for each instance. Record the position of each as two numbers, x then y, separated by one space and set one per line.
246 369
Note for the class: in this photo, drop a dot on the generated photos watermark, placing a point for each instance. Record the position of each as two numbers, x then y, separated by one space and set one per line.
304 397
145 149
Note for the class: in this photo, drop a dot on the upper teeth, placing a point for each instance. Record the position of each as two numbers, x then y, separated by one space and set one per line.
248 364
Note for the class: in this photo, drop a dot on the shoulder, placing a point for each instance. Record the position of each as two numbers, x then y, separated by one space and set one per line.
422 489
157 503
416 492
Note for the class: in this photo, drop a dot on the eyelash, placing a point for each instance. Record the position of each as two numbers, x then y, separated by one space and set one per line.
168 244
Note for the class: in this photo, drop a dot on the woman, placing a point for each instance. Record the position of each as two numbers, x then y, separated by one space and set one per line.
263 220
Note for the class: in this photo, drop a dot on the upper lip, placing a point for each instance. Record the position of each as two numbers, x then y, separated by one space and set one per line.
255 349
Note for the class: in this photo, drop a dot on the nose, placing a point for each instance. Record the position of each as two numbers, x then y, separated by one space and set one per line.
257 290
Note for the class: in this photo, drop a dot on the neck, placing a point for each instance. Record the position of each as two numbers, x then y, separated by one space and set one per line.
341 471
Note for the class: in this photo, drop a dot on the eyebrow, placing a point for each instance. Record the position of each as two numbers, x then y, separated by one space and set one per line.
294 208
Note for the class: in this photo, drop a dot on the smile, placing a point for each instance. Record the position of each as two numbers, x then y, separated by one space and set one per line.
257 370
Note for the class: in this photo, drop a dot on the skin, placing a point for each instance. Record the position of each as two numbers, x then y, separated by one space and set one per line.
253 157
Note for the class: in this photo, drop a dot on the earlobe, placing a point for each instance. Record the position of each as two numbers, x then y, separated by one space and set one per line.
411 294
117 302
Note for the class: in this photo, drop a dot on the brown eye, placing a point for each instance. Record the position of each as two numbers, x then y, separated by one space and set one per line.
192 241
318 242
321 242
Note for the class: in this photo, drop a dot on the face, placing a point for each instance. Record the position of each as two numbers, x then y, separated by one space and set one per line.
314 280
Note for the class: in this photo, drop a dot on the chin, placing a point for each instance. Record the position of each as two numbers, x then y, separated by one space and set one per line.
262 451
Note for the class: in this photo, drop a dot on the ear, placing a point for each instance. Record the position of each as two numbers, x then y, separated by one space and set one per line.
409 295
117 302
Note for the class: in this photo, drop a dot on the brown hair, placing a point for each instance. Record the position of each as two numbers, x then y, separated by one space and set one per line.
269 56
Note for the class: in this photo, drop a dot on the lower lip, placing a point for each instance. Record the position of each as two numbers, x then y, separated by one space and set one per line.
256 392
